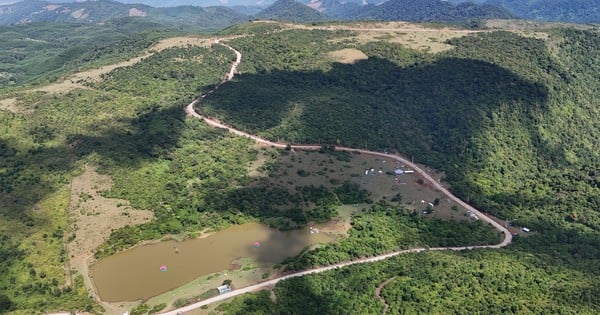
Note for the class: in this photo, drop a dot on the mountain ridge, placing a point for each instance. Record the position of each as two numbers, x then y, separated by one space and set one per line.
290 10
104 10
576 11
431 11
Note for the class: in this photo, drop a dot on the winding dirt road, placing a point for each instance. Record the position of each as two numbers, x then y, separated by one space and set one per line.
191 111
378 293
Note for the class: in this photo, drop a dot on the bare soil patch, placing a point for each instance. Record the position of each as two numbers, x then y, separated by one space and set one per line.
94 217
348 55
182 41
12 105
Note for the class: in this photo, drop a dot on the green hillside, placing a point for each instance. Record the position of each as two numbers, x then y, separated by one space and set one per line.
195 17
290 10
576 11
489 97
43 51
124 126
511 120
429 11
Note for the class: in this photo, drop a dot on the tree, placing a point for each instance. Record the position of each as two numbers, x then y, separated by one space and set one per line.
5 303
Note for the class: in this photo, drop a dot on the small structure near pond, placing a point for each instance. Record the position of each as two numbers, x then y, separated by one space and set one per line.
224 289
400 171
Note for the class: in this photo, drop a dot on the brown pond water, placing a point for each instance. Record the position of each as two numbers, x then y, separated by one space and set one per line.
136 273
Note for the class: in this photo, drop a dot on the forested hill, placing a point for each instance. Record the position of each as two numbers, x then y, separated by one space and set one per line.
577 11
503 115
218 17
290 10
430 10
103 10
89 11
42 51
511 120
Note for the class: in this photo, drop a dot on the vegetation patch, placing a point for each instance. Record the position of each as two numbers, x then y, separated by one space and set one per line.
384 228
85 78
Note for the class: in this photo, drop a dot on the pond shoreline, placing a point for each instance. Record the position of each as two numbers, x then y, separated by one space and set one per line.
134 274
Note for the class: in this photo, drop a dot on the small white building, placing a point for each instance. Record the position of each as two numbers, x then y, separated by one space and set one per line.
472 215
525 230
224 289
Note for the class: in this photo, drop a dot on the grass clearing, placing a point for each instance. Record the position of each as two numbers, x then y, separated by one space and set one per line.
291 169
12 105
93 217
50 211
412 35
348 55
421 40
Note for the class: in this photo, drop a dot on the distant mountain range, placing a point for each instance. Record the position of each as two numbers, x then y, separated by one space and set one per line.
214 14
431 11
102 10
290 10
577 11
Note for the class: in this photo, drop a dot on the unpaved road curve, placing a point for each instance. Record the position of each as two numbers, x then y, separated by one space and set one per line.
262 285
191 111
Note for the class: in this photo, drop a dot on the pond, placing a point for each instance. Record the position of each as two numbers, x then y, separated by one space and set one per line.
149 270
